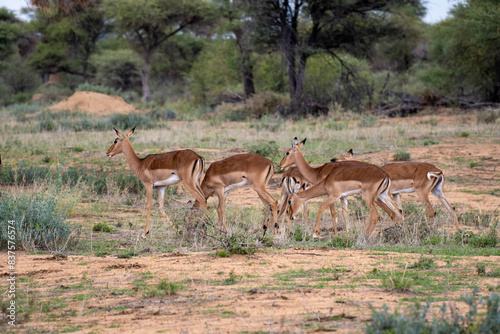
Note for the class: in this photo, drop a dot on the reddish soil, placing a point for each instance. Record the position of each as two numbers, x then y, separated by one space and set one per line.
94 104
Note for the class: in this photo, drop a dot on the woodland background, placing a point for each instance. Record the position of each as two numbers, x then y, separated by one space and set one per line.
294 57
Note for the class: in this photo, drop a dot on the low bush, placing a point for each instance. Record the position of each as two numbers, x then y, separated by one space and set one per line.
416 320
401 156
87 87
480 240
102 227
488 115
368 121
128 121
269 149
39 221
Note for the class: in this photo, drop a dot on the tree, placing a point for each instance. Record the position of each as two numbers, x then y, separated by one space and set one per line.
468 46
148 24
10 30
67 42
299 29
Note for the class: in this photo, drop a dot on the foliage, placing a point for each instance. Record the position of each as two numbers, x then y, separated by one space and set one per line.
87 87
480 240
468 45
416 321
401 156
102 227
269 149
40 221
488 115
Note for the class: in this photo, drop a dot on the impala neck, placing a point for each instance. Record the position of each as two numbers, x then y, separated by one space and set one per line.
310 173
312 192
133 160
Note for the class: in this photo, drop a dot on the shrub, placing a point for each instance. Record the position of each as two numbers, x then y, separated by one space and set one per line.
40 222
163 288
368 121
423 263
86 87
401 156
265 103
128 121
269 149
416 321
102 227
488 115
162 114
480 240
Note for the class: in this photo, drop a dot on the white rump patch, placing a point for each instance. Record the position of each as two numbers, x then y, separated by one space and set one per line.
171 180
409 190
235 185
432 174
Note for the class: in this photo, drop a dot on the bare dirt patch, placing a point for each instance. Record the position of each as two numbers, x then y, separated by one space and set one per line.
94 104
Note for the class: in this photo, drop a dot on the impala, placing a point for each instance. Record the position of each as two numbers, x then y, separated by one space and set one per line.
421 178
237 171
370 181
161 170
315 175
293 181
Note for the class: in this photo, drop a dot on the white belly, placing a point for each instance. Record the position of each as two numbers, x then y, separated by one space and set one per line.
351 192
408 190
171 180
235 185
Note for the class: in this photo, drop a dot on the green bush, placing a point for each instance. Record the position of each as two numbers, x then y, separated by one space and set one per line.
269 149
102 227
401 156
480 240
40 222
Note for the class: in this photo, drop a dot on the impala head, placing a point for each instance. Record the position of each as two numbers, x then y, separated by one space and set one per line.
294 204
289 158
348 156
117 146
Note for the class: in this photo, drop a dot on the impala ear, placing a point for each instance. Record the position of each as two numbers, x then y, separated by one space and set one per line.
301 144
118 133
131 132
295 141
350 152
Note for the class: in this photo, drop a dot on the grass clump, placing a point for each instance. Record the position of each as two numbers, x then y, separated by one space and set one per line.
102 227
39 220
164 288
416 320
127 254
269 149
401 156
488 115
423 263
398 282
480 240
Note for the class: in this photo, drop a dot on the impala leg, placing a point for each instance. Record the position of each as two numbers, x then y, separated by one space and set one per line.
161 204
438 192
423 195
329 202
149 199
345 214
386 208
334 219
305 212
221 209
373 214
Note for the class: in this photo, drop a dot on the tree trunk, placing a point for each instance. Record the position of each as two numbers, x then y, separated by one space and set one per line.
246 66
146 94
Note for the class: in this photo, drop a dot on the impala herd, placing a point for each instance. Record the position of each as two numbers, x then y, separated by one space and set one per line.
338 179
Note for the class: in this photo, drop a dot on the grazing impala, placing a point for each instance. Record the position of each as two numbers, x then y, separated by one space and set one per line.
293 181
237 171
371 182
421 178
161 170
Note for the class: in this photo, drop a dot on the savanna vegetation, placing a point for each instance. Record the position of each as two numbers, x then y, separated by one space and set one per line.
225 77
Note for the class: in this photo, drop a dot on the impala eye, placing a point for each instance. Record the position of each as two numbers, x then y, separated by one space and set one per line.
287 153
116 141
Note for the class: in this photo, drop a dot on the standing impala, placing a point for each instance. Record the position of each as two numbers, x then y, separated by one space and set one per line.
161 170
237 171
421 178
314 175
371 182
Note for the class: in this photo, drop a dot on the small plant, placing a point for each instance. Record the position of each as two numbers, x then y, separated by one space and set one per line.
401 156
127 254
164 288
481 269
78 149
488 115
269 149
102 227
397 282
423 263
429 142
232 279
464 134
368 121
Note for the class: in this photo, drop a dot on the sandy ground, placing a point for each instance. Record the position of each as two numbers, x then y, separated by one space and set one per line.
276 291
